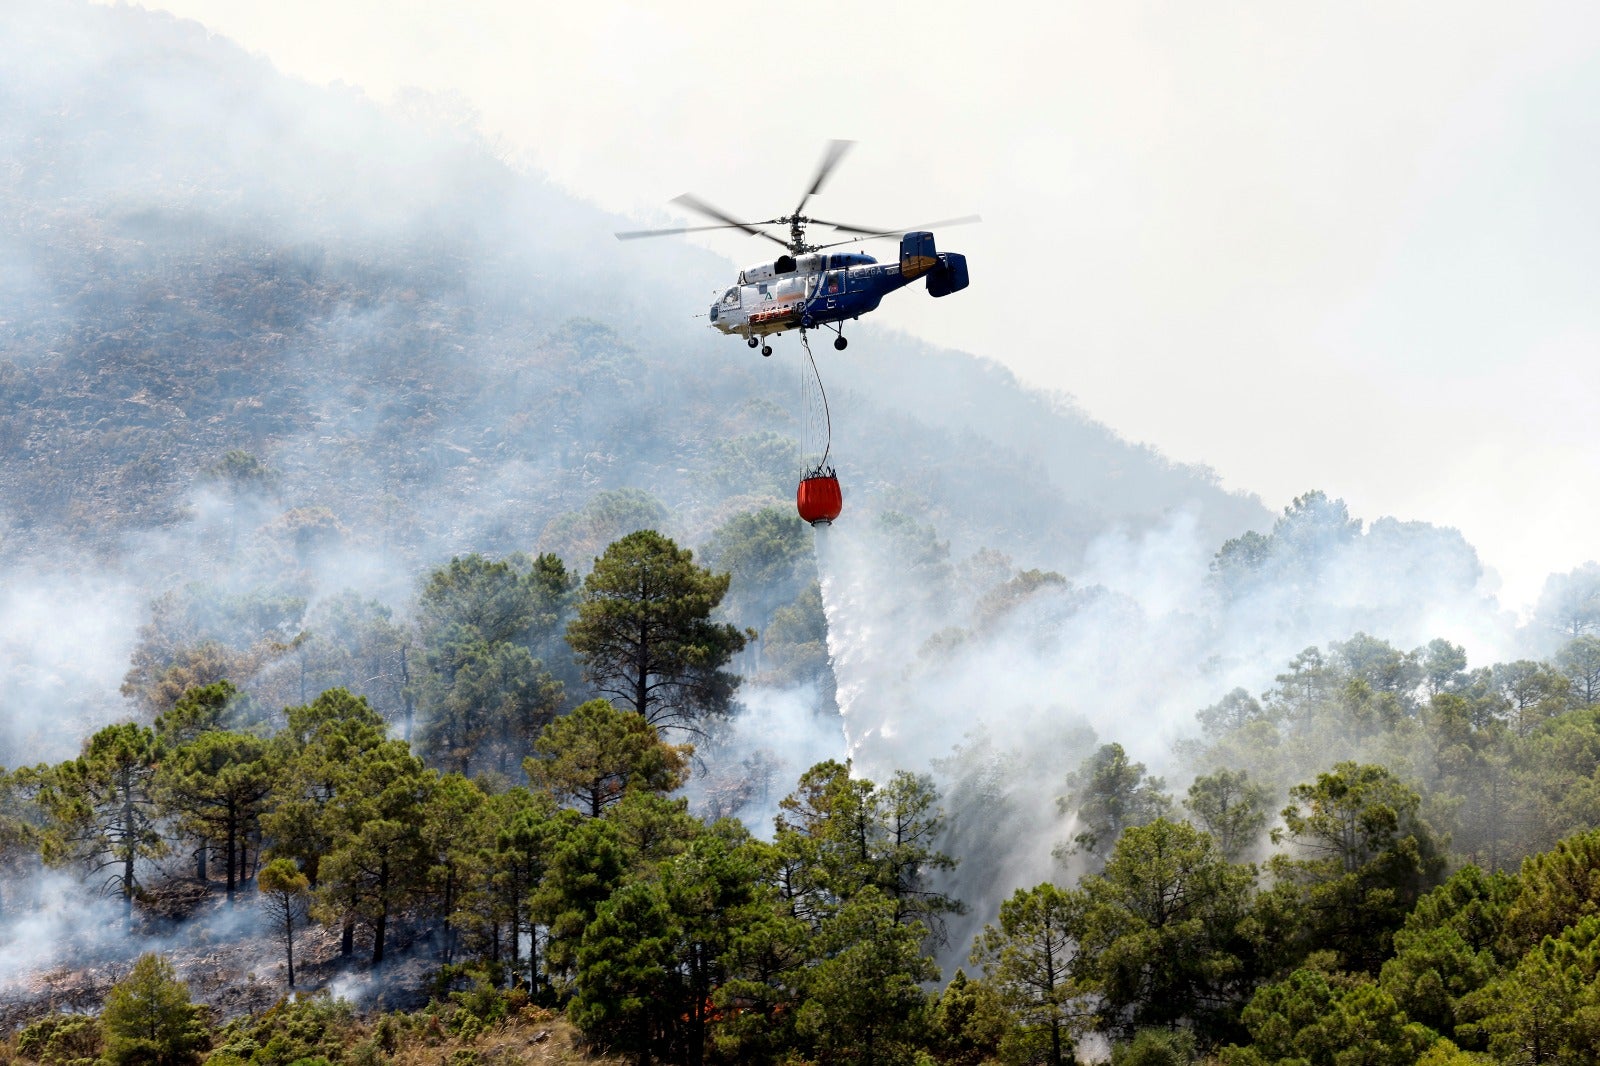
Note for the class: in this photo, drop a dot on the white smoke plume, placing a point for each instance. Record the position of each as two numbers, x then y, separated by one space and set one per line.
1003 686
64 646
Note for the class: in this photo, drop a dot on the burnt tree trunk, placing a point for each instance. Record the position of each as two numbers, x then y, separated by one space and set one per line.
380 927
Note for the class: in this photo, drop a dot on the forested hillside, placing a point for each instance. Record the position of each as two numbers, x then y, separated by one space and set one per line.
418 352
401 600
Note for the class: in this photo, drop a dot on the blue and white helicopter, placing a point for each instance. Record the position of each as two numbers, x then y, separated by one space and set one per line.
809 287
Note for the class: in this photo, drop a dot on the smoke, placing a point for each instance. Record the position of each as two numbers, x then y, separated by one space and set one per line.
63 945
357 989
64 646
50 924
1002 682
922 660
753 762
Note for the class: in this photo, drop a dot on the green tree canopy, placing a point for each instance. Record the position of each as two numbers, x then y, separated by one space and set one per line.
644 634
1369 857
1229 807
485 705
519 830
1161 940
592 756
19 833
769 556
1579 660
319 748
148 1019
1110 792
713 888
863 998
1556 889
1447 950
1234 711
456 828
379 860
587 862
969 1023
1569 604
622 991
102 807
474 598
203 708
1547 1009
488 628
216 787
285 896
842 835
1029 959
795 644
1317 1018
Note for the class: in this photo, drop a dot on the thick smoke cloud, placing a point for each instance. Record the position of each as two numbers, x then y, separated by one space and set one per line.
1003 687
64 646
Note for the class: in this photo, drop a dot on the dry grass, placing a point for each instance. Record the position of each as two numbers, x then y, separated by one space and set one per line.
534 1037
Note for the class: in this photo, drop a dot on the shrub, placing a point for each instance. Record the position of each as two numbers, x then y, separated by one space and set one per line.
149 1021
1156 1047
61 1040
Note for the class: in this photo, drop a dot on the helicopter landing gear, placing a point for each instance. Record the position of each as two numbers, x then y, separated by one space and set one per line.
766 349
751 342
839 343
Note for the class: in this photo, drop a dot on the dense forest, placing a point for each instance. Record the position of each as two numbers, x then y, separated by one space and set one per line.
409 652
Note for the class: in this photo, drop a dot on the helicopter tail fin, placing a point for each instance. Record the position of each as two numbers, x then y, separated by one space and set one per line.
917 254
949 276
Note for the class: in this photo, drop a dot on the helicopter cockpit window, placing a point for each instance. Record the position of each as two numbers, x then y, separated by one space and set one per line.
730 298
835 282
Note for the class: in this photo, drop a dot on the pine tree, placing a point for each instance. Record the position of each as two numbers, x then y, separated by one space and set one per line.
644 634
149 1021
285 895
102 807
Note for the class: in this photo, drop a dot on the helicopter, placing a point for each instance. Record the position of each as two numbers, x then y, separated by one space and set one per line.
808 286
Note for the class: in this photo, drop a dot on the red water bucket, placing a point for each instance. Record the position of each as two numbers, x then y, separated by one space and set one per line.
819 500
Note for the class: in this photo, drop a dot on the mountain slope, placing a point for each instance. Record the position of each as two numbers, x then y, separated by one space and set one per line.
200 255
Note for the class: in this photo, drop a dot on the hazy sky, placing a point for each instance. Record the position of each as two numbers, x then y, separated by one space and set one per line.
1348 246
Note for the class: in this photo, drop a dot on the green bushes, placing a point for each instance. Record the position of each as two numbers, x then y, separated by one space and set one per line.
61 1040
149 1021
298 1031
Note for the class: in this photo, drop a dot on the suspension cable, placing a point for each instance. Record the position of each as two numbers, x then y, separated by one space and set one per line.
821 468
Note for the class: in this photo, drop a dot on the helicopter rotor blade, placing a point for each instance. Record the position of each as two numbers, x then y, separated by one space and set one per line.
830 159
869 233
694 203
854 240
633 235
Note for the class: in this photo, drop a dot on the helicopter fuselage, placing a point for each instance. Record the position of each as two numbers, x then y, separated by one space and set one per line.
809 290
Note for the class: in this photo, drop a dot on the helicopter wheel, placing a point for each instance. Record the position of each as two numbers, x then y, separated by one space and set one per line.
751 341
840 344
766 349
